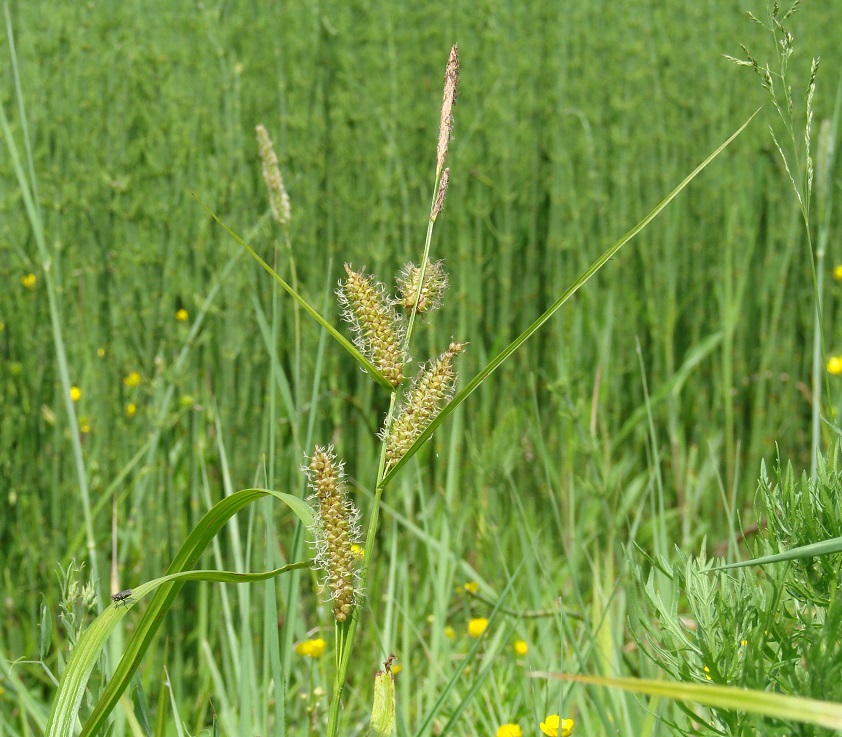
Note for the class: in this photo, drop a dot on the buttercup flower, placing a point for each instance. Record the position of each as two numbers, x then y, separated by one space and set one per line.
132 380
521 648
181 315
476 627
29 281
554 726
450 633
834 365
472 587
837 272
131 409
75 393
509 730
311 648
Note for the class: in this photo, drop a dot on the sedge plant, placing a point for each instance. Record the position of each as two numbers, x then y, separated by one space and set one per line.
383 326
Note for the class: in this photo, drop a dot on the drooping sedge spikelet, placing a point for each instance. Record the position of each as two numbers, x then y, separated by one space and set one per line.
435 282
336 530
430 391
451 81
379 330
278 197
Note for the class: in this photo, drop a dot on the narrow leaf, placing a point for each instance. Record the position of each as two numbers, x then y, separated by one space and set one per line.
825 547
778 706
341 339
68 699
495 362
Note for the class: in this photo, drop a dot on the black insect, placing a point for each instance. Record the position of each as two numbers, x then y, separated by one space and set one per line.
122 597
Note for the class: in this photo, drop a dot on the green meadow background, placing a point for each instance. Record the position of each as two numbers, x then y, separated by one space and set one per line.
638 416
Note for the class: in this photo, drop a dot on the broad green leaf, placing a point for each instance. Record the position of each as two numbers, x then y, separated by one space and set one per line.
497 361
66 705
341 339
778 706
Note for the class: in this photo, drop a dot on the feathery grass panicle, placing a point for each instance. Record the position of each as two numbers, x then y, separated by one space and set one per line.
278 197
435 282
451 82
378 329
808 126
336 530
430 391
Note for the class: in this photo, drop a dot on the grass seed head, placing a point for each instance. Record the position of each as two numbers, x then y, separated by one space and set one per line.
278 197
378 329
435 282
451 82
430 391
336 530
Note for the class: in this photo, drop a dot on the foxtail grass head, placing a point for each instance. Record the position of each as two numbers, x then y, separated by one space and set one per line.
379 330
431 389
336 531
278 197
426 296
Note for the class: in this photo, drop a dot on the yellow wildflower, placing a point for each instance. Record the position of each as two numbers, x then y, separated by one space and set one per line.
358 551
472 587
29 281
837 272
311 648
521 648
132 380
834 365
397 668
477 626
181 315
84 425
557 727
450 633
509 730
100 352
707 672
131 409
75 393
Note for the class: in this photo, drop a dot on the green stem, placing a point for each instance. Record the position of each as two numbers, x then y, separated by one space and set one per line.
346 631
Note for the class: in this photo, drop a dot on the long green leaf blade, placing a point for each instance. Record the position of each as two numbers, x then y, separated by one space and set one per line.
825 547
341 339
213 521
779 706
495 362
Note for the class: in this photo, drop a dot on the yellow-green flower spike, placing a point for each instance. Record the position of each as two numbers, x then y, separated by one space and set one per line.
435 282
336 530
378 329
430 391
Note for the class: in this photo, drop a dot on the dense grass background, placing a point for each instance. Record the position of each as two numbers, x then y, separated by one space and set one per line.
573 121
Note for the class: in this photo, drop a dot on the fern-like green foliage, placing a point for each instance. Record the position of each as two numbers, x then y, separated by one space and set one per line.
773 628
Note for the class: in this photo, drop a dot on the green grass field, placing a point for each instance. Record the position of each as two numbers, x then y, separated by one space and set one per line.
149 368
